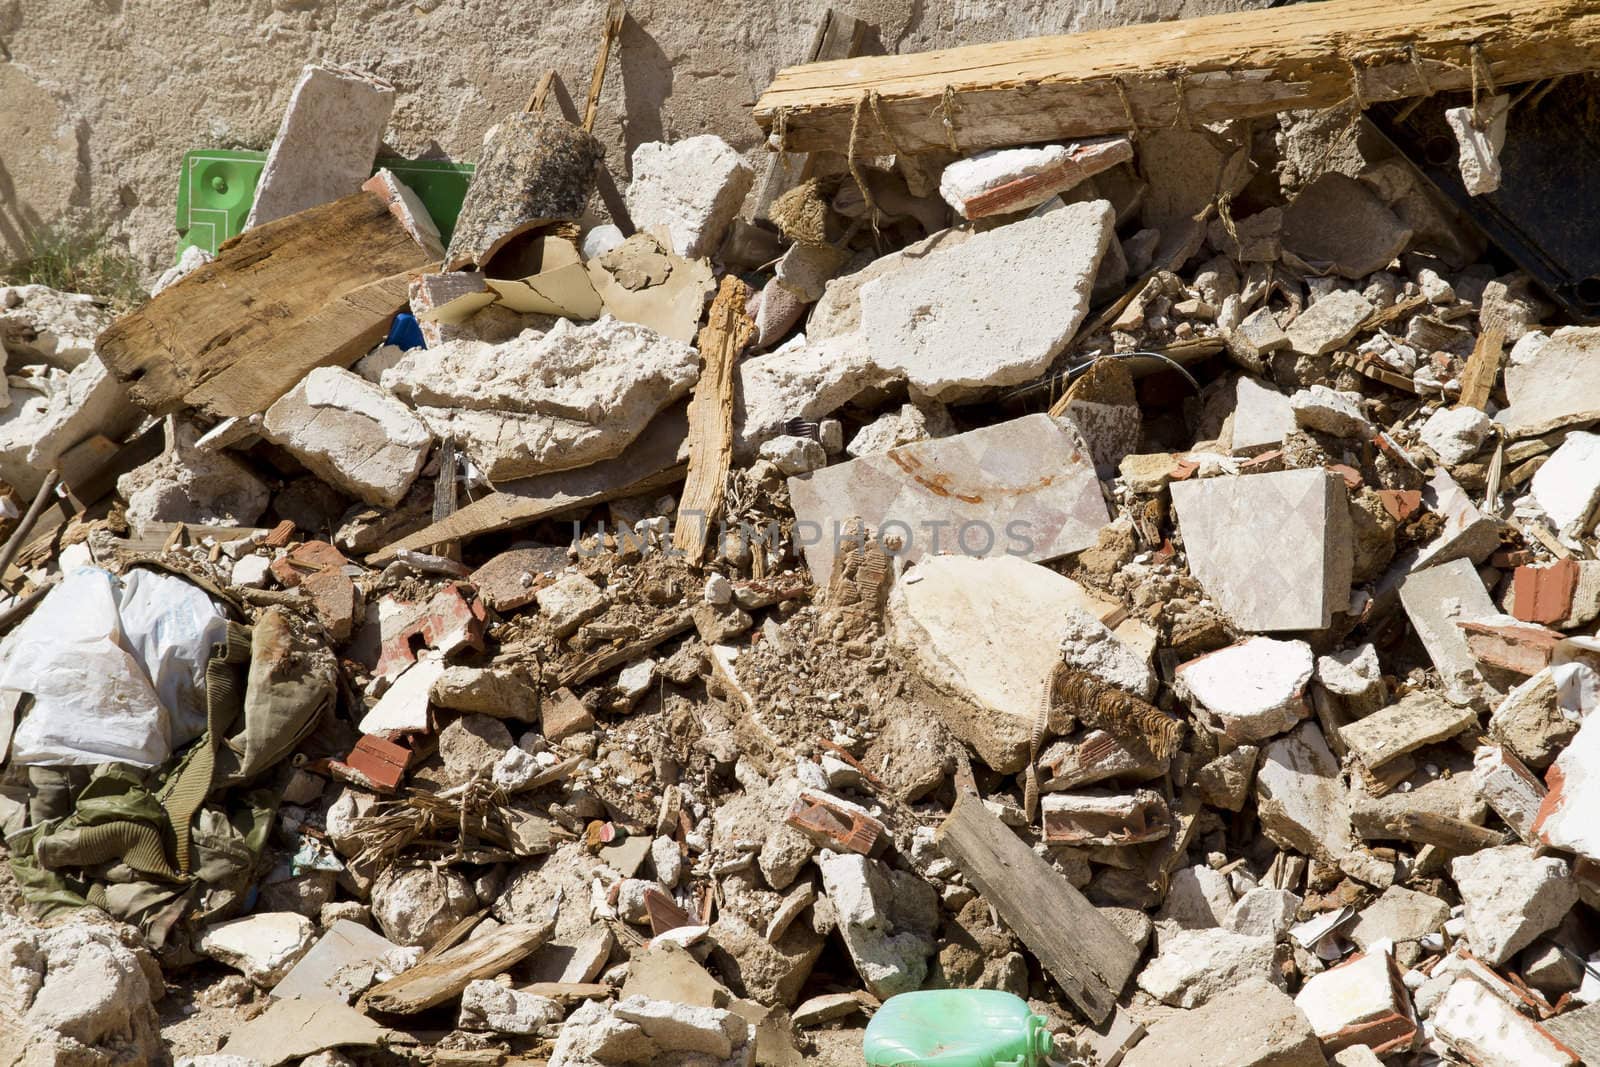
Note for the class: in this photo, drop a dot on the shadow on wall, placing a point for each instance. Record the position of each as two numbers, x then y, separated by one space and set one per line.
646 85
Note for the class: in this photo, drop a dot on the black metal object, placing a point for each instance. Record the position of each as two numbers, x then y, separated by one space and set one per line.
1546 214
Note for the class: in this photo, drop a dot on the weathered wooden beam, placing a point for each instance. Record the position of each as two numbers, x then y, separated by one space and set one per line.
1201 70
313 289
727 330
1082 950
442 978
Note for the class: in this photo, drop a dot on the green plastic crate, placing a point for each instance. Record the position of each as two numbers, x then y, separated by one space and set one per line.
217 186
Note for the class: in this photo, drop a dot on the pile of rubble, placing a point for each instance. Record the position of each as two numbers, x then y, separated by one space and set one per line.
1120 573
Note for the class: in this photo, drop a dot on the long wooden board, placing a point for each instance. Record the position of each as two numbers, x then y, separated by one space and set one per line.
1201 70
313 289
1081 949
727 330
445 976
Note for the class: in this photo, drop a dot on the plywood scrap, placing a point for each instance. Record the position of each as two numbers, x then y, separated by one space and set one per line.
438 980
1079 947
315 289
1193 71
727 331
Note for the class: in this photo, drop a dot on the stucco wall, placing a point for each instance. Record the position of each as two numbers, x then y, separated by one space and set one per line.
100 98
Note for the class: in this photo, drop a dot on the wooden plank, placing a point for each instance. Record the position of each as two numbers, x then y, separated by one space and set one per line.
838 36
1195 71
616 12
438 980
1082 950
1483 368
313 289
727 330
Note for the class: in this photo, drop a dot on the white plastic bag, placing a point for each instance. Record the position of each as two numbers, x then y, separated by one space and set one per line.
92 701
116 669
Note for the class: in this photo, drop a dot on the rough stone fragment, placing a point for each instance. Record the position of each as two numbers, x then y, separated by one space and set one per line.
913 422
1329 323
1263 912
1436 600
686 1028
471 746
1511 897
324 148
1480 142
1488 1032
498 691
546 402
1261 416
1253 1024
1508 787
1194 966
802 379
1273 550
39 324
563 715
1332 412
263 946
948 322
1420 718
1197 898
1354 675
1225 781
1567 486
960 624
890 960
1456 434
794 455
89 400
1531 721
351 433
1402 916
487 1005
185 484
771 970
78 995
1024 489
593 1036
1301 797
417 905
1007 180
569 602
1466 532
1254 689
1338 225
688 192
1566 818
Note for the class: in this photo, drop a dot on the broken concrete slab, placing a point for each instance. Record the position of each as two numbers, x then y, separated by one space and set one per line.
569 602
1331 412
1465 533
1023 488
1261 416
488 1005
1567 486
802 379
1301 797
1252 690
1566 818
352 434
688 192
1329 323
1487 1031
1402 916
1253 1024
1512 895
959 623
1337 225
1193 966
1552 382
1420 718
1273 550
948 322
546 402
1456 434
889 957
1436 600
263 946
1007 180
325 146
913 422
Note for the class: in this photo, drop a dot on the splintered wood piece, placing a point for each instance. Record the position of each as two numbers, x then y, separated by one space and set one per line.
1483 367
314 289
1195 71
534 171
446 975
616 12
1082 950
728 329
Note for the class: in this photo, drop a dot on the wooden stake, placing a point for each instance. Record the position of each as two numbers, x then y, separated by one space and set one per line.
616 12
1483 368
728 329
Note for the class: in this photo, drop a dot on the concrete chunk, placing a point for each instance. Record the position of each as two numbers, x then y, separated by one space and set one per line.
1253 690
1456 434
1420 718
1024 489
1436 600
1253 1024
1264 912
959 622
487 1005
1466 531
352 434
1273 550
1195 965
688 192
1488 1032
327 142
1507 786
1567 486
951 323
1330 411
889 957
569 602
546 402
1338 224
1329 323
1566 818
1511 897
1359 1002
1402 916
1261 416
1552 382
1301 797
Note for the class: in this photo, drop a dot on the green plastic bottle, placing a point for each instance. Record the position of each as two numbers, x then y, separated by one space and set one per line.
956 1028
